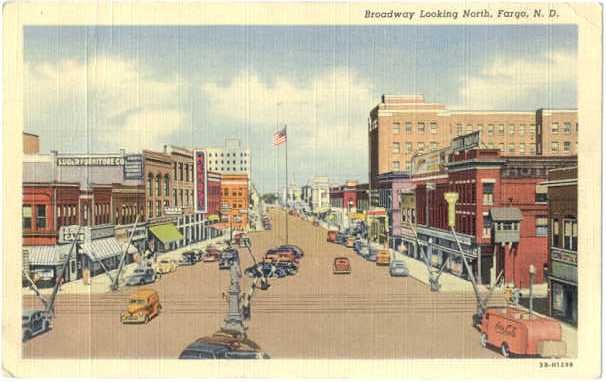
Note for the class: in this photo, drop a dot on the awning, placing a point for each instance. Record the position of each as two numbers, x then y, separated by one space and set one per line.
101 249
166 233
213 218
505 214
49 255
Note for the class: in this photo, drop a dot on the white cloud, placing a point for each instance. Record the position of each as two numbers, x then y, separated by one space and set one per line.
327 110
518 81
121 103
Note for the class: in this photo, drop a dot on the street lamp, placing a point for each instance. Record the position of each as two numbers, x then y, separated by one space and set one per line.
531 271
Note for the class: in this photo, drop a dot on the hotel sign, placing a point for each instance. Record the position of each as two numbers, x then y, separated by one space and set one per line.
466 142
567 257
200 181
91 161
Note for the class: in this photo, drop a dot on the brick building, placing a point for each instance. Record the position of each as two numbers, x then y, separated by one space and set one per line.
562 245
501 214
183 178
158 170
402 126
234 198
214 193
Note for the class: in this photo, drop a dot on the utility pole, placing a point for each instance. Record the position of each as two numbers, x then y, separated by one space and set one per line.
286 175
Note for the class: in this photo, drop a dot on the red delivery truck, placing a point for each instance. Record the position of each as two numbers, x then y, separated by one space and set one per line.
515 331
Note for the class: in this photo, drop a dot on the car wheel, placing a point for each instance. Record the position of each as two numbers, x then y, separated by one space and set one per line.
483 339
505 350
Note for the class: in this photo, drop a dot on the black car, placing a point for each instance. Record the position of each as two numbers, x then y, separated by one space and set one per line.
188 258
260 270
228 256
288 267
296 250
221 346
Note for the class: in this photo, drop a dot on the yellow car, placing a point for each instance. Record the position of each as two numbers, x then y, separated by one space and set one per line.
143 305
165 266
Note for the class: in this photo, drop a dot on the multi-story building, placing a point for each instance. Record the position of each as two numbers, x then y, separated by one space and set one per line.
501 214
320 194
230 159
31 144
214 195
563 237
401 127
234 200
183 178
158 170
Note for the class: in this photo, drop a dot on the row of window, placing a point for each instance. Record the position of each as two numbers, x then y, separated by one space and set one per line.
422 127
555 147
396 147
210 162
226 192
565 128
185 196
216 155
498 129
159 184
34 217
181 168
567 237
227 169
159 206
127 214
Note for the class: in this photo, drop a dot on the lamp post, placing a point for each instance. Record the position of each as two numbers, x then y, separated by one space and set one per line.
531 272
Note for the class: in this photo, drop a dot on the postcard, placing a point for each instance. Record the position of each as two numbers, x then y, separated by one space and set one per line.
302 189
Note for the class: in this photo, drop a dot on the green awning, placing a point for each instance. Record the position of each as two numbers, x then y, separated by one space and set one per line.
166 233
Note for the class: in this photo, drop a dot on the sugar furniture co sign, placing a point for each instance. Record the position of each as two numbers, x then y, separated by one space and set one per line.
201 181
90 161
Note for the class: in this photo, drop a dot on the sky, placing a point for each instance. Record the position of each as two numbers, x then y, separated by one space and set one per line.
99 89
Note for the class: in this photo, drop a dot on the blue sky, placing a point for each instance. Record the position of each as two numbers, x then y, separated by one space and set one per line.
99 89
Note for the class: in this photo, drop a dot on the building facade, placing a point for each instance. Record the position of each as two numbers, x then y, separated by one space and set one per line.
230 159
563 238
235 200
183 178
402 126
158 171
320 194
31 144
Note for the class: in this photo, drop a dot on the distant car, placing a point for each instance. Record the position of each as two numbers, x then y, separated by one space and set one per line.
220 346
165 266
341 238
212 254
142 276
35 322
198 253
371 256
143 305
383 257
187 258
341 265
298 252
398 268
228 256
260 270
349 241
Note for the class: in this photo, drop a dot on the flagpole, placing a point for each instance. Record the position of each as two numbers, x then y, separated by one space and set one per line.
286 152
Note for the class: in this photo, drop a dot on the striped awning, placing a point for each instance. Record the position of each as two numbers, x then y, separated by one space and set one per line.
101 249
49 255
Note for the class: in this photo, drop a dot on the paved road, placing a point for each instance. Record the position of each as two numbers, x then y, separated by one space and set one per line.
314 314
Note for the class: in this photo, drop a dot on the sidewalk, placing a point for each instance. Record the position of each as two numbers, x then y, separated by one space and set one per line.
101 283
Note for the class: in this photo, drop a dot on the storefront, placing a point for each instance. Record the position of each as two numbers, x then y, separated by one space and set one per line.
443 248
45 263
162 236
104 254
193 228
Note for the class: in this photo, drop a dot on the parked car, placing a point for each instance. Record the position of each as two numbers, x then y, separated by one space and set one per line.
165 266
187 258
383 257
331 236
228 256
198 253
341 265
35 322
143 305
142 275
222 346
516 331
341 238
212 254
349 241
260 270
398 268
371 256
298 252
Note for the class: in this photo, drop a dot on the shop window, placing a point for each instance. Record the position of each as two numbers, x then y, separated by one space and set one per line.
395 128
555 233
27 217
570 234
487 194
541 226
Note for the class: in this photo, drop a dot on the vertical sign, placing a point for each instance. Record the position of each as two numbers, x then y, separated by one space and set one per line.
201 181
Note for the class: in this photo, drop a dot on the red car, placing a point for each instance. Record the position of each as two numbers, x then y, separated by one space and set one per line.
341 266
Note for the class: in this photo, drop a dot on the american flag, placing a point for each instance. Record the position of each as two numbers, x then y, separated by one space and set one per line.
280 137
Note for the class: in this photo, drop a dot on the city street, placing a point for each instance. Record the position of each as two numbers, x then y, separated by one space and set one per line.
314 314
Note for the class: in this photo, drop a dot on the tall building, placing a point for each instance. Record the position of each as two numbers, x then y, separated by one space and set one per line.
320 194
183 178
234 200
403 126
230 159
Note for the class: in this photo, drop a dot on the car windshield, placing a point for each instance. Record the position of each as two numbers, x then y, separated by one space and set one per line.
137 302
191 354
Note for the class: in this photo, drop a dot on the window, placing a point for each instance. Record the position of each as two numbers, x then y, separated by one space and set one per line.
486 227
487 194
181 171
433 145
511 148
433 127
175 198
158 185
395 165
531 149
421 127
420 147
158 208
570 234
459 129
522 148
540 193
181 198
150 181
395 128
501 129
555 233
512 129
541 226
522 129
166 185
490 130
408 127
27 217
175 173
408 147
555 147
566 147
531 130
187 172
555 128
40 216
395 148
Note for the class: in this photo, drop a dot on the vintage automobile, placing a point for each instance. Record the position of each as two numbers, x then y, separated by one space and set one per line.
223 345
331 236
516 331
143 305
34 322
298 252
315 223
398 268
197 254
341 238
383 257
142 275
212 254
165 266
260 270
349 241
228 256
187 259
341 266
